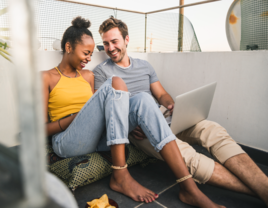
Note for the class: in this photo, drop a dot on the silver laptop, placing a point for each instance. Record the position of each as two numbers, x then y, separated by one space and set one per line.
192 107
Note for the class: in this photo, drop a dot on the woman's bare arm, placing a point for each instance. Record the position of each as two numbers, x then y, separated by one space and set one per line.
92 82
45 78
89 77
53 127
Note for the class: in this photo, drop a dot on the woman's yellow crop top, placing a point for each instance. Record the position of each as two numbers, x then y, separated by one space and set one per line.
68 96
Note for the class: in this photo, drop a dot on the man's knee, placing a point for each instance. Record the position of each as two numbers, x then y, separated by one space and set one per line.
217 141
204 170
199 166
119 84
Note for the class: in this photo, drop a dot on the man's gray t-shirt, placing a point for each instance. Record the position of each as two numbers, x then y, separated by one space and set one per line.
138 76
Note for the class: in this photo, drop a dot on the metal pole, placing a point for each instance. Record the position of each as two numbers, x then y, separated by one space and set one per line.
171 8
30 105
181 20
105 7
186 5
145 33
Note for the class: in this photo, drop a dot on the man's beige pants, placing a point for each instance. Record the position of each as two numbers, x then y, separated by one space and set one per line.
206 133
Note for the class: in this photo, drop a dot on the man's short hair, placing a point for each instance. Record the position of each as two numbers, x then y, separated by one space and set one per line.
112 23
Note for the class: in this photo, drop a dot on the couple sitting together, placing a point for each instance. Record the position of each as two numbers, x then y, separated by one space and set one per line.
113 105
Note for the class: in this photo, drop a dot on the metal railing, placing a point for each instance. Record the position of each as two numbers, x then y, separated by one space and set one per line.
138 12
153 31
180 22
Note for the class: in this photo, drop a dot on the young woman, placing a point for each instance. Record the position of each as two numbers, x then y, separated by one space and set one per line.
78 117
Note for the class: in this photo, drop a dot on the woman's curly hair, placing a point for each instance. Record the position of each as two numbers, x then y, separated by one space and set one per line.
74 33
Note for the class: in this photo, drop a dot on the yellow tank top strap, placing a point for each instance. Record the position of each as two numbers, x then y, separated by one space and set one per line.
79 73
58 70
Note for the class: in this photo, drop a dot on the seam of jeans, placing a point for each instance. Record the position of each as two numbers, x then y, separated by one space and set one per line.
112 126
155 142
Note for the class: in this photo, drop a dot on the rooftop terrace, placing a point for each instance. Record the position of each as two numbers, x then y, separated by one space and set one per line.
240 105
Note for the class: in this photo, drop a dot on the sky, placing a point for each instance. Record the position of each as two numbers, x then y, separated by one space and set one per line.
208 19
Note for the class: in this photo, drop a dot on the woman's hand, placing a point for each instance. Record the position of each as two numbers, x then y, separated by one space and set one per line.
60 125
137 133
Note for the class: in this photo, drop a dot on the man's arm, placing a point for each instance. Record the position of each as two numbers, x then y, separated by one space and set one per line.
162 96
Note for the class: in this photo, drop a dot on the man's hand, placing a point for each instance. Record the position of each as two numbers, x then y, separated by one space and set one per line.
162 96
137 133
170 108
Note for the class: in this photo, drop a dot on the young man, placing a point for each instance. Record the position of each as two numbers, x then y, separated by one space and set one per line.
235 170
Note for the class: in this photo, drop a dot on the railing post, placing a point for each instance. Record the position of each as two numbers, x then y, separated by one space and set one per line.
145 33
180 32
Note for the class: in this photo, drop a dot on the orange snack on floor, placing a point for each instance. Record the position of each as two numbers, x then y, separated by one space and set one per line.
102 202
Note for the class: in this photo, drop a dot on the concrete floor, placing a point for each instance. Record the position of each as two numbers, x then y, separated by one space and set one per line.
161 180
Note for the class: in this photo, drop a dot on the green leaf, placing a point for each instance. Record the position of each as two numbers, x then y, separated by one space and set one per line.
5 56
4 44
3 50
3 11
4 29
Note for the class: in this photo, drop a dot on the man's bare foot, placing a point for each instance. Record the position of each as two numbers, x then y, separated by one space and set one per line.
197 198
121 181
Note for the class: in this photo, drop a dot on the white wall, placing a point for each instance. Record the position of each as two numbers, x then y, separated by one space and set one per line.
240 101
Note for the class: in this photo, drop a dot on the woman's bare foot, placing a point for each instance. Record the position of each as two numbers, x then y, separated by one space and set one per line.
197 198
121 181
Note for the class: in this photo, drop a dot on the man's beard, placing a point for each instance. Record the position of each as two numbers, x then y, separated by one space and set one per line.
122 55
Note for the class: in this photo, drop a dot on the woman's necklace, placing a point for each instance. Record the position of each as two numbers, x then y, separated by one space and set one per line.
66 75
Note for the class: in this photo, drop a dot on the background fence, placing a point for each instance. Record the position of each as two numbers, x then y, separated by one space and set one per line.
254 25
53 17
